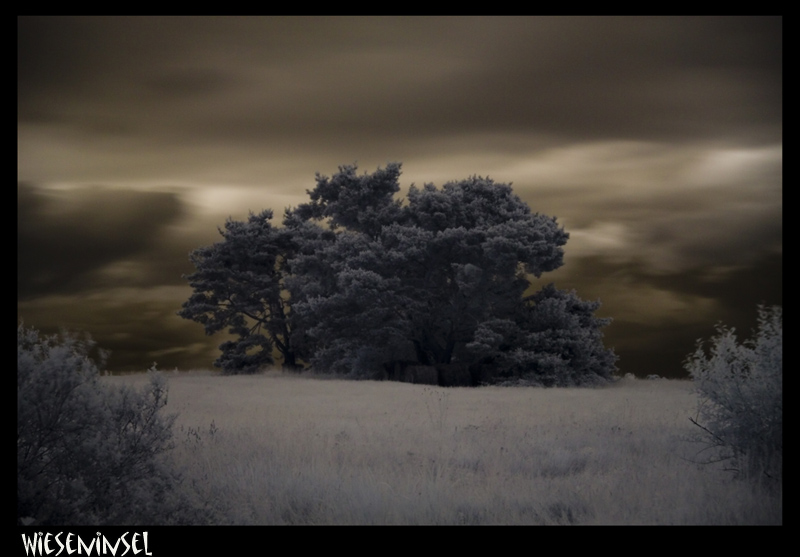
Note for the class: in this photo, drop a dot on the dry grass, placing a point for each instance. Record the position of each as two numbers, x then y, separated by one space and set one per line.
276 449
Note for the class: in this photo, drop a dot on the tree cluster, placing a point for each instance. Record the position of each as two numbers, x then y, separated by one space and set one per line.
362 283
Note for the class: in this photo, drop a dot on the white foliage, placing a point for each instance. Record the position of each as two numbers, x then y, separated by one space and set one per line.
741 396
88 453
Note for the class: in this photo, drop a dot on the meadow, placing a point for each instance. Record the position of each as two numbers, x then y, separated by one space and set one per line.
278 449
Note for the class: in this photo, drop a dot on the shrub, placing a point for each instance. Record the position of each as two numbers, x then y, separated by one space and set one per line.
88 453
740 409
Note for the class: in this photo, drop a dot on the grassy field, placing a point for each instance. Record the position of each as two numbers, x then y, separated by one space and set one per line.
283 449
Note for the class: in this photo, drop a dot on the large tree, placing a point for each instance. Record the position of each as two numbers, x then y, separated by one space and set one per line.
358 281
426 280
239 284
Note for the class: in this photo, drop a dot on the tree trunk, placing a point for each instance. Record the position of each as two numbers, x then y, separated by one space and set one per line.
422 356
290 362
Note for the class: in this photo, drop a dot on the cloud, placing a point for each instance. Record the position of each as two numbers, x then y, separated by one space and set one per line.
63 236
326 82
673 206
605 238
659 315
731 234
137 325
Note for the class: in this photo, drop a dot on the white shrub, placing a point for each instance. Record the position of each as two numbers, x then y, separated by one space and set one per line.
741 396
88 453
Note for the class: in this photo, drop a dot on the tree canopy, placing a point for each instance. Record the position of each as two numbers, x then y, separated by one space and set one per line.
239 284
365 280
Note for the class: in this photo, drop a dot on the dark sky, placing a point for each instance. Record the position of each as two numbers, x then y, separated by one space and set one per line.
657 142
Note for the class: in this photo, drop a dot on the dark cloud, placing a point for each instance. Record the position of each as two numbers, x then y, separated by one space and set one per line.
738 289
65 235
730 237
658 317
399 79
580 80
137 325
185 84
